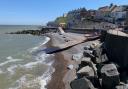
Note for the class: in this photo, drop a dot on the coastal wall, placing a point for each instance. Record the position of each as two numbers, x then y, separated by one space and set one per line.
82 30
116 44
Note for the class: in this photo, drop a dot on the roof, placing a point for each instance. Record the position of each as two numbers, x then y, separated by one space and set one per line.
120 8
105 8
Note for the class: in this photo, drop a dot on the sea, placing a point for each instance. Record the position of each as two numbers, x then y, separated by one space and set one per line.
22 63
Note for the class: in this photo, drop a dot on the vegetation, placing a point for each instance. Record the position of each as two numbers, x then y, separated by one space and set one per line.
61 20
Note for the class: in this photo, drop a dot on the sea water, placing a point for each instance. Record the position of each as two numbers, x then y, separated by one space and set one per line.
21 67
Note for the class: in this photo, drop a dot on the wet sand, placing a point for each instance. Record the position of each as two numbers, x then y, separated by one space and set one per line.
60 71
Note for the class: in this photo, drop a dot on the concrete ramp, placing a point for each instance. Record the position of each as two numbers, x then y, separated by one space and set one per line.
61 30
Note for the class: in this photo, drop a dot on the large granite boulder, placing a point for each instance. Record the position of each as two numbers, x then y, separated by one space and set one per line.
110 76
86 71
82 83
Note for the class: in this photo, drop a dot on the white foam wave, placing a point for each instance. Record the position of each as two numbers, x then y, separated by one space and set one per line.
40 59
28 81
46 40
46 77
10 60
11 69
37 47
32 64
40 81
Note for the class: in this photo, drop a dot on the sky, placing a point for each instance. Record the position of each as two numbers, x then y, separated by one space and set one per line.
39 12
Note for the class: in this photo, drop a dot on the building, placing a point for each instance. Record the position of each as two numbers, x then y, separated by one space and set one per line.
119 14
104 13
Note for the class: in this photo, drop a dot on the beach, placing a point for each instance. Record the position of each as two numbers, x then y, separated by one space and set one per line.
62 76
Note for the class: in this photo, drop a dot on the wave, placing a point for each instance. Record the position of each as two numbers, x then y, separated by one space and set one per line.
40 59
10 60
11 69
46 77
46 40
26 82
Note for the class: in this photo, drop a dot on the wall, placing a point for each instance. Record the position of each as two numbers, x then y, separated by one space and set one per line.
116 44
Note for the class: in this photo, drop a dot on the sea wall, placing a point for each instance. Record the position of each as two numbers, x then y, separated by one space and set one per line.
82 30
116 45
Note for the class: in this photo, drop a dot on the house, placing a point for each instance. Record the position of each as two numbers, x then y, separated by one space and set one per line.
119 14
104 13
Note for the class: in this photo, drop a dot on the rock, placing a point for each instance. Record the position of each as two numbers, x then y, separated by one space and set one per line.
82 83
124 75
110 76
90 63
86 59
109 70
122 86
86 48
70 67
85 71
94 45
95 81
77 57
88 53
99 55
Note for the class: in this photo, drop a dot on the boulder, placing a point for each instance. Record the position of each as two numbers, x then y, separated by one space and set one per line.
77 57
86 48
122 86
85 71
109 70
99 55
70 67
88 53
95 81
94 45
82 83
110 76
87 61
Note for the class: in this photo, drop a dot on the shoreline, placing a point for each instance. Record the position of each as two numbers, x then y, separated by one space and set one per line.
59 64
62 76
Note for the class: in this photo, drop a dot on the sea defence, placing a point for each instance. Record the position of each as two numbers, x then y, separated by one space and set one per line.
116 45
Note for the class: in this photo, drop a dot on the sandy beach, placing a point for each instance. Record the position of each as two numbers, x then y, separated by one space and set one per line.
62 76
